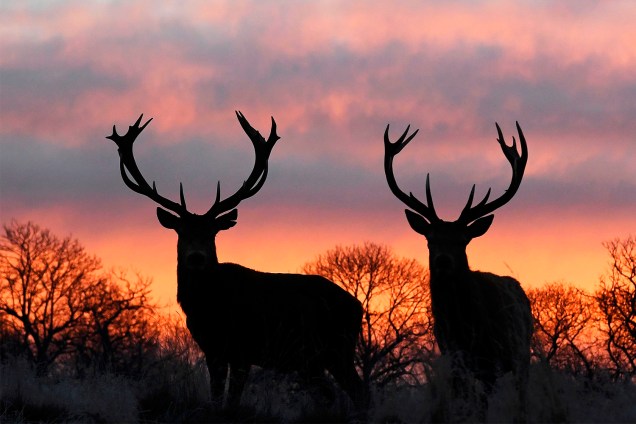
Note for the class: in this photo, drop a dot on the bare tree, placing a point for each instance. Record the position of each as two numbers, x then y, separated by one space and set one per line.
41 285
396 338
616 298
56 298
119 330
564 318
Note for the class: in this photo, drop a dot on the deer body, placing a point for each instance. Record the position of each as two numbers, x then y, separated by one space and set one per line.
241 317
288 322
481 319
477 324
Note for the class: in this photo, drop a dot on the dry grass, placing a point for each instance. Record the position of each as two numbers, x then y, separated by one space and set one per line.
178 392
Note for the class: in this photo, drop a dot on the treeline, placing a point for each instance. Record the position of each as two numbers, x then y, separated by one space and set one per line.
67 315
590 333
580 333
64 314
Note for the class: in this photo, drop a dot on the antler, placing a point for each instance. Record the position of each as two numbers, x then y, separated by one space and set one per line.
392 149
258 175
518 163
127 164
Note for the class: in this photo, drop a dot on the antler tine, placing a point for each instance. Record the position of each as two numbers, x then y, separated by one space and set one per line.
128 165
401 142
255 136
390 151
429 197
257 177
181 196
518 164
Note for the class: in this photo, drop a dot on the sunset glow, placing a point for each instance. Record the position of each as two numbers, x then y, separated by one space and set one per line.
333 75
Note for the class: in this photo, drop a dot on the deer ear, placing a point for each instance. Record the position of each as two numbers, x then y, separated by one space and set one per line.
167 219
418 223
480 226
227 221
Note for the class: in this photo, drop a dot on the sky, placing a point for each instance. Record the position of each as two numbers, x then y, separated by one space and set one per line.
333 74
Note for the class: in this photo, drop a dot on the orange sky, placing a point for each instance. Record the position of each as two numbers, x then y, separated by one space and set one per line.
333 74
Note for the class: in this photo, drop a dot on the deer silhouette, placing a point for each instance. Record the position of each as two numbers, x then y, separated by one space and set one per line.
481 319
241 317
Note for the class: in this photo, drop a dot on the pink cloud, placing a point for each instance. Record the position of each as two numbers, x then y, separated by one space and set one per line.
333 74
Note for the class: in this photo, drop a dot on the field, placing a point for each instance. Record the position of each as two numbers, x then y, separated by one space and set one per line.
178 392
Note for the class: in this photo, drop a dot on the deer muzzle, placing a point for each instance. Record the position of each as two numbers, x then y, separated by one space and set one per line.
196 261
443 264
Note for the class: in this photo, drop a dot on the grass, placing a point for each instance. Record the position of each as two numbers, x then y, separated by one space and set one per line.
178 392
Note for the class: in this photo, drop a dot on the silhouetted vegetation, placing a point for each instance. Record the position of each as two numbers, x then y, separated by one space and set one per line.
113 356
591 334
616 299
396 343
564 335
60 309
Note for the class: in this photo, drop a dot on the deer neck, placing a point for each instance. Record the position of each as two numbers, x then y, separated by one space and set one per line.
445 264
449 280
193 284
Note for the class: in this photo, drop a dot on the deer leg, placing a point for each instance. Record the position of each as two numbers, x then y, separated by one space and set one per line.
486 373
461 381
318 386
521 383
349 380
218 373
238 378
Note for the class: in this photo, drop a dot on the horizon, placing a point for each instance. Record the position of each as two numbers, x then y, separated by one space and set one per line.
333 76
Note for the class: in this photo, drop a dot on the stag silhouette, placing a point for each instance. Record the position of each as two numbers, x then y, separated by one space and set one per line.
241 317
481 319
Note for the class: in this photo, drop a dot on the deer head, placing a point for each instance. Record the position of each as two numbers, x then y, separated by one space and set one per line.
447 240
196 248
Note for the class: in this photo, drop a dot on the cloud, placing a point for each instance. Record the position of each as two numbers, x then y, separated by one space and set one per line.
333 75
